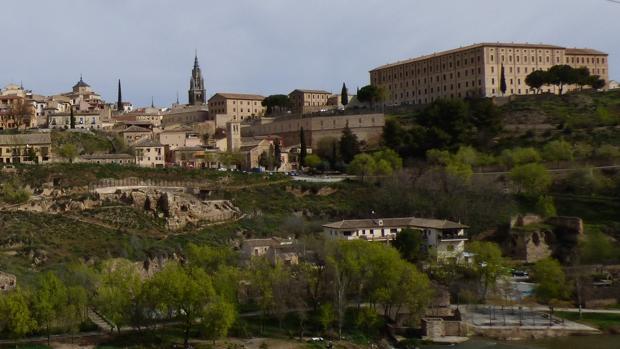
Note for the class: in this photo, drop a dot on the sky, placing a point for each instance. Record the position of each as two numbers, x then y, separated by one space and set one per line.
268 46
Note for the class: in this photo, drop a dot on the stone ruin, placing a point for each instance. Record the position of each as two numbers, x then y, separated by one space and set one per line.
532 238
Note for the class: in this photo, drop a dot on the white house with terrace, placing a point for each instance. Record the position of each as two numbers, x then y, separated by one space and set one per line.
445 237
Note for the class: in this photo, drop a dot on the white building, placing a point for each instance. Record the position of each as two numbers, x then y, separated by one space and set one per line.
444 237
150 153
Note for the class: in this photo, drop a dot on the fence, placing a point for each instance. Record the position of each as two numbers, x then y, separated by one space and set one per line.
149 182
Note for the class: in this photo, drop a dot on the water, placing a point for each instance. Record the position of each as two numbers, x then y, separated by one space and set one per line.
589 342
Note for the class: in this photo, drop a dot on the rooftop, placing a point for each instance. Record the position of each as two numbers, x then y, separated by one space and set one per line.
147 143
488 44
396 222
311 91
134 128
106 156
26 139
239 96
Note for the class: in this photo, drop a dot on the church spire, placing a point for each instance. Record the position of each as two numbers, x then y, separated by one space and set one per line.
152 102
196 85
119 105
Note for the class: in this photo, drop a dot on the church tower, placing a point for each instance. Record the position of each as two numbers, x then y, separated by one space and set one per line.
196 85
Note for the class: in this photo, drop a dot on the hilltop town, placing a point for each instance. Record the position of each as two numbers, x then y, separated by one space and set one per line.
471 192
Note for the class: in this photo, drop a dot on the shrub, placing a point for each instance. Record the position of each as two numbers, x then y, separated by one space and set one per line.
14 193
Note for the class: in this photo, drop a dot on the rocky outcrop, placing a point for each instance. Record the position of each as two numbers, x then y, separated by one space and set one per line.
179 209
7 282
176 207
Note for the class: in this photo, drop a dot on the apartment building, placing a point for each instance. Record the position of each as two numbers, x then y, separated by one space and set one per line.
150 153
475 71
308 101
26 148
238 106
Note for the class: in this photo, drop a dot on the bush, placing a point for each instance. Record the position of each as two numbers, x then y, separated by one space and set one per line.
531 179
14 193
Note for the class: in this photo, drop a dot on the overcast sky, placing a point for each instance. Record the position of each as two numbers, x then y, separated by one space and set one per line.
268 46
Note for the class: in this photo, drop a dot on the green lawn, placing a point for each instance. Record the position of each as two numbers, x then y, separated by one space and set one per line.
604 322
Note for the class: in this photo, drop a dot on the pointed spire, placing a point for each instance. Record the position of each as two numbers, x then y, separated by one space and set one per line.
196 58
152 102
119 105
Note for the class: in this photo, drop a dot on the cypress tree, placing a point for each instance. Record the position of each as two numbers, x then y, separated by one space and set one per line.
349 145
72 119
303 152
277 154
344 95
502 81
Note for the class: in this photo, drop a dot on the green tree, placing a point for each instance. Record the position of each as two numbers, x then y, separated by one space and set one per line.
277 154
372 94
558 150
520 156
217 318
561 75
390 157
488 264
502 80
383 168
50 301
266 159
531 179
551 281
363 165
68 152
17 319
313 161
276 103
303 151
344 95
349 144
72 119
326 316
596 82
13 192
536 79
182 292
582 77
410 244
597 248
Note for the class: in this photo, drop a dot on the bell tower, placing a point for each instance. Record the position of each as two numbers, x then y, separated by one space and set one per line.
196 85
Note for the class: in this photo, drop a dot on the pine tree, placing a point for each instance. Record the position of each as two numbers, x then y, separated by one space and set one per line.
344 95
349 145
303 152
502 81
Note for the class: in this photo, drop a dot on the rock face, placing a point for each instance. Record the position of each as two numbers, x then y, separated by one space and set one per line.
176 207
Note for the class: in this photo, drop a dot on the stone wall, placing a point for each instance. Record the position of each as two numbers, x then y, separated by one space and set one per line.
7 282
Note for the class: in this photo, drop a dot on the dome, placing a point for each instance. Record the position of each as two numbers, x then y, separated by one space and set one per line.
81 83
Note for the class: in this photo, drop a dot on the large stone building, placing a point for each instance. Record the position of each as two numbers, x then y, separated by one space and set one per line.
238 106
308 101
475 71
26 148
368 128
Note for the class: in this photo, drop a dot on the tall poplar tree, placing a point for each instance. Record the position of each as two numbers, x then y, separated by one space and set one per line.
303 151
502 81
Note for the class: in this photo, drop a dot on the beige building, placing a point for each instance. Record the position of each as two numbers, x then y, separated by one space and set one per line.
367 127
181 137
134 134
237 105
308 101
445 238
118 159
26 148
150 154
475 71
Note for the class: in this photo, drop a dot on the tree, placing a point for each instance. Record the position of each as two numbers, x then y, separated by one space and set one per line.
536 79
277 154
327 148
371 94
349 145
561 75
597 248
313 161
184 293
20 111
119 293
582 77
217 318
326 316
520 156
303 151
596 82
362 165
551 281
488 263
50 301
558 150
68 151
410 244
267 158
502 80
13 192
531 179
344 95
390 157
545 206
276 103
72 119
16 318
